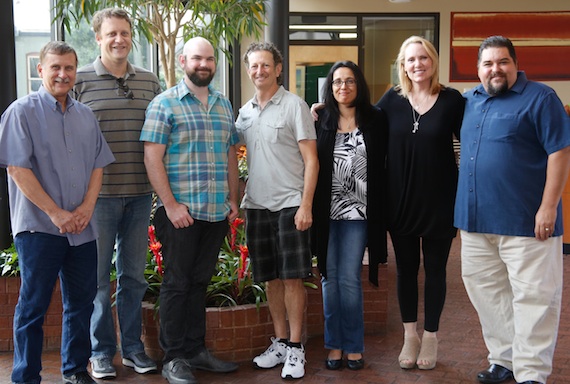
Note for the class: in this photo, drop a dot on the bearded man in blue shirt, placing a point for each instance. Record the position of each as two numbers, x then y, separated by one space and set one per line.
515 159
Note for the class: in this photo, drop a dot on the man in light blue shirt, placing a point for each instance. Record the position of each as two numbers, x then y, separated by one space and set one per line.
54 153
515 158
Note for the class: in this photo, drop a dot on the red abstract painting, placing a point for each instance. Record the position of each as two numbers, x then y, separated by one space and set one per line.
541 40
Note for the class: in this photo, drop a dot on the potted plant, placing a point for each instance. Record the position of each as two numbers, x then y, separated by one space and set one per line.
232 283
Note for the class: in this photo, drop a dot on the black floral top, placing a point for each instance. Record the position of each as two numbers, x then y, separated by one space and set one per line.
349 178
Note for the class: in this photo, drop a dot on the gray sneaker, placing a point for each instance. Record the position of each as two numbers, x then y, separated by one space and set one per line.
78 378
177 371
102 367
140 362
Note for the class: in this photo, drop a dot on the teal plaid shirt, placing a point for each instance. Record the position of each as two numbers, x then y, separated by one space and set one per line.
197 143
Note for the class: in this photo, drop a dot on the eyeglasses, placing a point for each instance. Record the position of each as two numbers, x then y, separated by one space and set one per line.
124 89
348 82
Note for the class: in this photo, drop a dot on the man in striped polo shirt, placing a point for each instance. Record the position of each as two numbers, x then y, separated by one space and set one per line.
118 93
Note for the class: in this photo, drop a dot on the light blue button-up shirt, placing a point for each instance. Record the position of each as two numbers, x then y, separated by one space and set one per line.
62 148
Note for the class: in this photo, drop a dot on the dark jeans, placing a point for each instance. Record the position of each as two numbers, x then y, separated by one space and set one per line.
435 255
190 256
42 257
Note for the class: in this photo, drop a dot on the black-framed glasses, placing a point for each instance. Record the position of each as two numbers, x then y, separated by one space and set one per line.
123 89
349 82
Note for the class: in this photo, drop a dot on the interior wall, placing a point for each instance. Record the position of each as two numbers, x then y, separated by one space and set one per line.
444 8
381 51
315 55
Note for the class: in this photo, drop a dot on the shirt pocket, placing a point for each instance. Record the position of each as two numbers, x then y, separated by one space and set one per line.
243 127
503 127
273 130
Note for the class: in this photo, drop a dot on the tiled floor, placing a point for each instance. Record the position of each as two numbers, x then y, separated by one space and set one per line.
461 350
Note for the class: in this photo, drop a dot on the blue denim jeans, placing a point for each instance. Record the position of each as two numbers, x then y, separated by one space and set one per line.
122 221
342 289
42 257
190 255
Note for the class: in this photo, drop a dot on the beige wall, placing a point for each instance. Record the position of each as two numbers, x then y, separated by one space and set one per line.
316 55
444 8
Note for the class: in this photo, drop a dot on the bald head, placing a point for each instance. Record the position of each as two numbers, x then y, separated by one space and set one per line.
198 62
197 43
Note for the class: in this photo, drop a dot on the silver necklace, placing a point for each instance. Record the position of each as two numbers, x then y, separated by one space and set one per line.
347 129
418 117
416 120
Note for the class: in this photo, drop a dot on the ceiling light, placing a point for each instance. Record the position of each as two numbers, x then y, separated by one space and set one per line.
347 35
326 27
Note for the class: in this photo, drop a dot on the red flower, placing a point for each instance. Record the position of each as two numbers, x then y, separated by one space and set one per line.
155 246
244 252
233 231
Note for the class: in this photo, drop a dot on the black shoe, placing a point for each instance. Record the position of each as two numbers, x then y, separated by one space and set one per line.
207 362
177 371
495 374
355 365
78 378
333 365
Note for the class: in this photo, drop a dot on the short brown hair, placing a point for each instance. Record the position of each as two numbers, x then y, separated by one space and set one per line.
108 13
57 48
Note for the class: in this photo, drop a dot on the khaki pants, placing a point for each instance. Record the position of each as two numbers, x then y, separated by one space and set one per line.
515 284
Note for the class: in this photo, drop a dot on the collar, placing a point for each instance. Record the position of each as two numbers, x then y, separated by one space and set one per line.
517 87
182 90
48 98
275 99
101 70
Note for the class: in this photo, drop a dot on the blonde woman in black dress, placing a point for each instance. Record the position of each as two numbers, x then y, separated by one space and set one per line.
423 117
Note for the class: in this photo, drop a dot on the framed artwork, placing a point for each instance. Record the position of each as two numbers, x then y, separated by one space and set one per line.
541 40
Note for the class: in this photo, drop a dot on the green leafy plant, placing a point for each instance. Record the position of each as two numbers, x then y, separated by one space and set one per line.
233 283
9 262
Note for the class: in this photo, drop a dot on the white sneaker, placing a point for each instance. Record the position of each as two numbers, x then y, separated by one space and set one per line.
274 355
294 367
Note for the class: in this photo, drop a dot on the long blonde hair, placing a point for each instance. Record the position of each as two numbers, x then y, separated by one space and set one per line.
405 86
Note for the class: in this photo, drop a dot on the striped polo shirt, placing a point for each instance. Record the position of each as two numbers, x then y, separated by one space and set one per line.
119 105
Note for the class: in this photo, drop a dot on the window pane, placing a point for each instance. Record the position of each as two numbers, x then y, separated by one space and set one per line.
32 31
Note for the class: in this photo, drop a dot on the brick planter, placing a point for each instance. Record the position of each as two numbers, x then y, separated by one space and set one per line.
232 333
242 332
9 290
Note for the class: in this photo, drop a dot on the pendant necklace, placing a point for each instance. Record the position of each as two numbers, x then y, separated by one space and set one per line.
416 120
418 116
